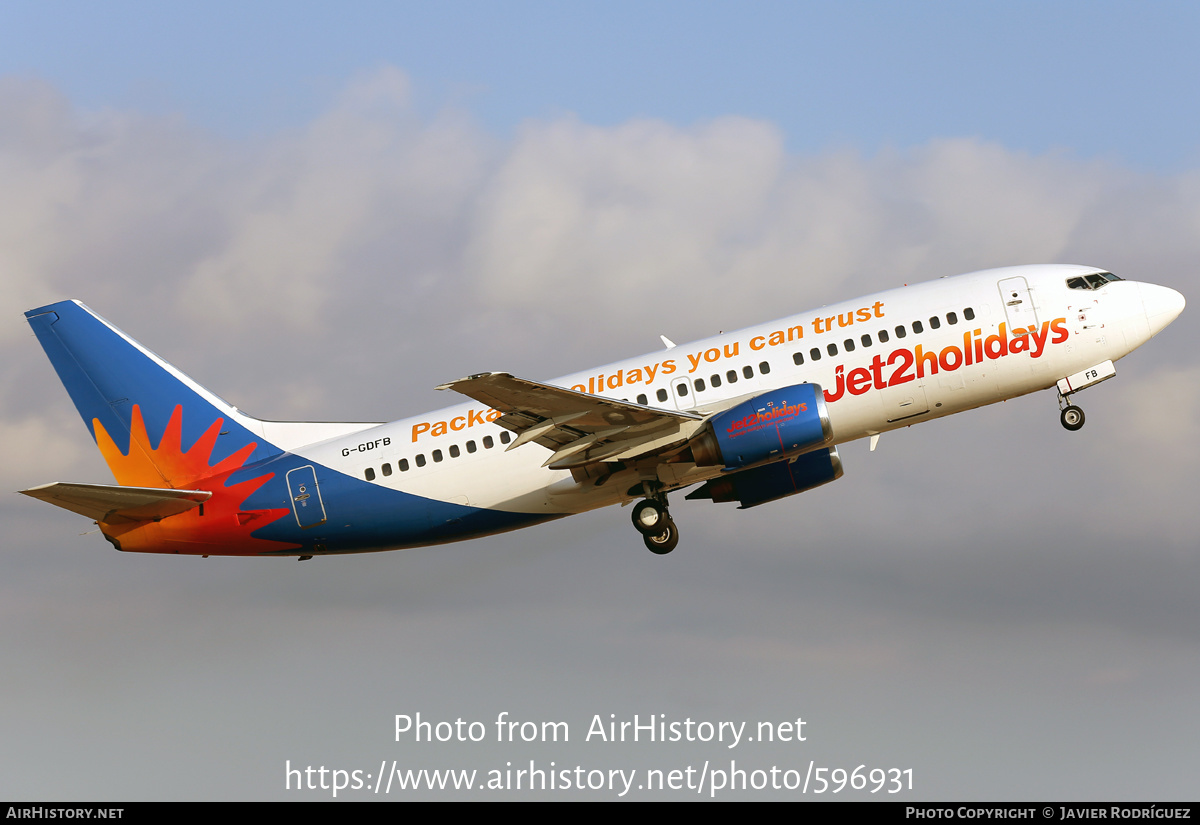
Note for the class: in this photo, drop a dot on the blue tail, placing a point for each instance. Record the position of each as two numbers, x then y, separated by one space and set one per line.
118 385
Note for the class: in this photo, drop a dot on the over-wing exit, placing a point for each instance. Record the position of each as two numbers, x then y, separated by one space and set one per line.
749 417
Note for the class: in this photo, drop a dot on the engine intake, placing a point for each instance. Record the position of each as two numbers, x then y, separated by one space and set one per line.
777 424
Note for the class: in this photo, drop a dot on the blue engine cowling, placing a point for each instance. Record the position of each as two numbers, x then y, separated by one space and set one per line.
758 485
768 427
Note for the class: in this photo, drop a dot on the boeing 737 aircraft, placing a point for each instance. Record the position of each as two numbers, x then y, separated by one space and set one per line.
749 417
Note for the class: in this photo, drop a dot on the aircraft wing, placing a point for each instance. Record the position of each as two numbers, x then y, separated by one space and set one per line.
112 504
577 427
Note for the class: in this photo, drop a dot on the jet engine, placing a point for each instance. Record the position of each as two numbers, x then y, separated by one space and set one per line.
777 424
758 485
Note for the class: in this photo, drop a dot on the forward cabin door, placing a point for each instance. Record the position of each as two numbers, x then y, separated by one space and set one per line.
1018 305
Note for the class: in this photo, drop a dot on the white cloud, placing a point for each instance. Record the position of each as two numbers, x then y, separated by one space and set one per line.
620 219
312 200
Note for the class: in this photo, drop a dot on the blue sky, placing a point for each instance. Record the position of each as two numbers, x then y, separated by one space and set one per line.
1108 79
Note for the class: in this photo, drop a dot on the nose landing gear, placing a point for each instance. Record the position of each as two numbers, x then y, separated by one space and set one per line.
1072 417
658 530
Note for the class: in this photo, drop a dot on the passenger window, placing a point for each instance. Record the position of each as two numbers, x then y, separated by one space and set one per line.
748 372
731 376
505 436
420 459
901 332
437 455
831 349
470 446
952 318
370 473
488 443
917 327
643 400
387 469
715 380
699 385
848 345
969 314
404 465
798 358
661 395
883 336
454 452
814 354
935 322
764 367
866 340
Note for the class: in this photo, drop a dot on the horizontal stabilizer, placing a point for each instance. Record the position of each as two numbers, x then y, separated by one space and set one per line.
113 504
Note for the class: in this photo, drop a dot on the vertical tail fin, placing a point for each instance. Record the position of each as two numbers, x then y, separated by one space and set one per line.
155 426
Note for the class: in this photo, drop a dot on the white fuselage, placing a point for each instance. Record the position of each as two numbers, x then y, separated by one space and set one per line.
885 361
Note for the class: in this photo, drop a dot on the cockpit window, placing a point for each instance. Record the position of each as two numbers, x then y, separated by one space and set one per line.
1093 281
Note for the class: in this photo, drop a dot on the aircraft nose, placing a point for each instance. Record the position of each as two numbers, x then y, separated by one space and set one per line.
1162 305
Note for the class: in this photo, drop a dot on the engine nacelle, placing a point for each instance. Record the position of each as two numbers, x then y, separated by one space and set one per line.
768 427
758 485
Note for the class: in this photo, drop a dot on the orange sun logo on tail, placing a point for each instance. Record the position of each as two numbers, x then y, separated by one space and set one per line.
219 526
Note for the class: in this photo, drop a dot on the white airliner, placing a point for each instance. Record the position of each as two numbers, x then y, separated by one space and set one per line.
749 417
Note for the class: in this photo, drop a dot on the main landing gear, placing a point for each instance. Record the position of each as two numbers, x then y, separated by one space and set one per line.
1072 417
658 530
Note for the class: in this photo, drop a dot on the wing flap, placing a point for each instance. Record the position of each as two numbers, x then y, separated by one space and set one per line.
111 503
578 428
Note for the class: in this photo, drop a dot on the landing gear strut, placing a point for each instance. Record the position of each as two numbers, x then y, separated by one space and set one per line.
652 520
1072 417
